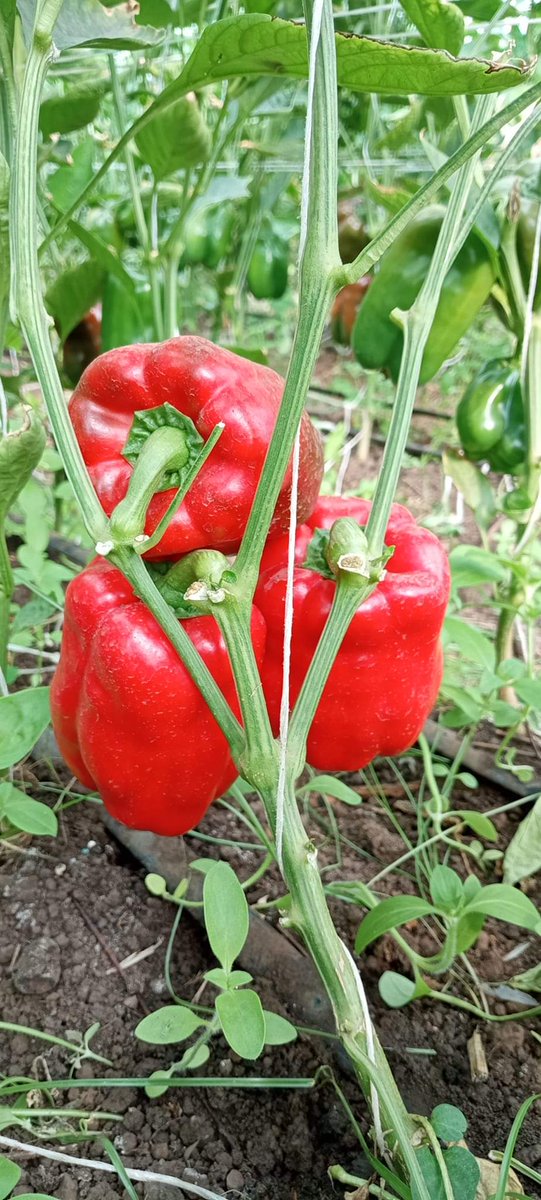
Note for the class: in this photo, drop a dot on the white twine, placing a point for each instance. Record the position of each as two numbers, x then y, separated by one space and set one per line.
286 653
531 297
96 1165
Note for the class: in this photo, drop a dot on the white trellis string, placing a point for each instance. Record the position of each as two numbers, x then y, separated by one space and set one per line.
315 37
96 1165
288 634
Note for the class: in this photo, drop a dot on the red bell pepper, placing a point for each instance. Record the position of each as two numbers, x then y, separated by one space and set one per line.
129 720
210 385
386 677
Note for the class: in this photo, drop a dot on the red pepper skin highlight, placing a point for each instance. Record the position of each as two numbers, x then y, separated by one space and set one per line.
210 385
388 671
129 720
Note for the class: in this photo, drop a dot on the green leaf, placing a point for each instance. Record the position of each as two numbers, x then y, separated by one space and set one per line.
88 23
69 180
529 690
523 854
31 816
226 914
446 888
257 44
471 565
242 1020
23 717
449 1123
10 1174
228 979
397 990
473 486
125 319
462 1169
35 613
389 914
168 1025
328 785
193 1058
174 139
528 981
20 453
156 13
316 557
74 110
482 826
506 904
440 24
155 884
73 293
466 701
278 1031
474 645
467 931
35 1196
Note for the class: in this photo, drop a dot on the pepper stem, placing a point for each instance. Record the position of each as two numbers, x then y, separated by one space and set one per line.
165 450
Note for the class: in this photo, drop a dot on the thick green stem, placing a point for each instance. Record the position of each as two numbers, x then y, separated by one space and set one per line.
32 316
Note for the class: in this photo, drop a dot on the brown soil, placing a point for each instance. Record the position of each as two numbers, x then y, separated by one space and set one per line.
265 1145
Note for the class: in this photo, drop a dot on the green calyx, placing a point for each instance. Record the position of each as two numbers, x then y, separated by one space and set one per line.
342 554
198 583
147 423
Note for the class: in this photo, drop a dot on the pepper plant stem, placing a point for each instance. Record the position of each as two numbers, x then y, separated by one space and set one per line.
6 592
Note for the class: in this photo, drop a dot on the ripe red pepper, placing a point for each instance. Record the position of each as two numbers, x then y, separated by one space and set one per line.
210 385
129 720
386 677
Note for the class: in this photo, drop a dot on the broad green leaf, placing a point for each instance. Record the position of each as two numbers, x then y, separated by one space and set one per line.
523 854
73 293
88 23
10 1174
193 1058
389 914
482 826
449 1123
439 22
446 888
226 913
35 613
74 110
397 990
328 785
20 453
471 565
168 1025
257 44
506 904
462 1169
228 979
23 717
278 1031
474 645
68 181
473 486
529 690
31 816
243 1022
157 13
465 700
468 929
174 139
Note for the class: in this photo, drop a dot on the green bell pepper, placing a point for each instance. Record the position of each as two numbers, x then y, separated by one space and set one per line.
267 273
377 340
490 418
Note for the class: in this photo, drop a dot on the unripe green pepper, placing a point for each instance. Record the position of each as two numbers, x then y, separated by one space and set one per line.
207 238
377 340
526 227
490 418
267 273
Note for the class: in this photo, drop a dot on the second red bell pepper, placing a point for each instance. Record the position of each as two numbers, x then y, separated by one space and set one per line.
387 674
209 385
129 720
